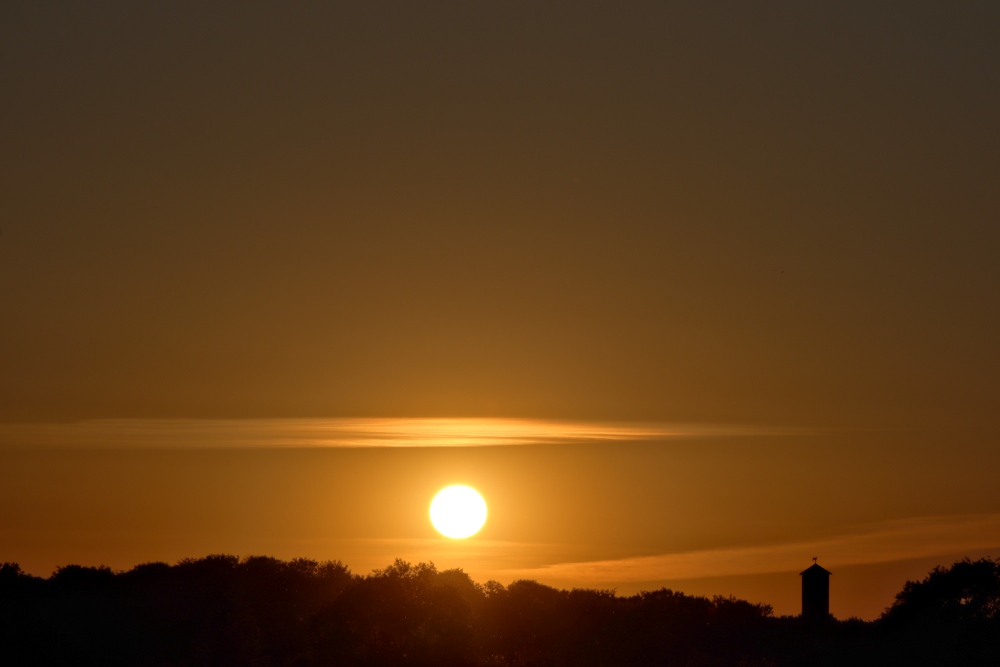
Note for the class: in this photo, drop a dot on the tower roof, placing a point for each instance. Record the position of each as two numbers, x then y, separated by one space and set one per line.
815 569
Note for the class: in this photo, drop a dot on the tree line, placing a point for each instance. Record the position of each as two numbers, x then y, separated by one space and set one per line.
226 610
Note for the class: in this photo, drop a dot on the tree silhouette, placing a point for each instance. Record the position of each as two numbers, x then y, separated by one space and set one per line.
966 591
951 617
259 610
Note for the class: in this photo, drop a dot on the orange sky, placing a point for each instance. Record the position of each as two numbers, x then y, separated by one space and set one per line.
573 504
764 234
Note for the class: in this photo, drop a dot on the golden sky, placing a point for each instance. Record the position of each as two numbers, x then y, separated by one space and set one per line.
690 292
702 509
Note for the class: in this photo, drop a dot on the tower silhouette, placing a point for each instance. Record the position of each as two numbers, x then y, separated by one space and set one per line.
815 592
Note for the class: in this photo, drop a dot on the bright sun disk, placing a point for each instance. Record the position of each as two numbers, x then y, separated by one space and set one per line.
458 511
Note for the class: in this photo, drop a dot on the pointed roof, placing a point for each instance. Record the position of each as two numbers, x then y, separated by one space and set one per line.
815 569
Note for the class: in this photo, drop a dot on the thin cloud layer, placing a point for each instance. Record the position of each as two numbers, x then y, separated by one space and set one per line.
381 432
880 543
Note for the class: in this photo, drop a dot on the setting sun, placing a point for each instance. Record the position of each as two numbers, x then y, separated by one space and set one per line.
458 511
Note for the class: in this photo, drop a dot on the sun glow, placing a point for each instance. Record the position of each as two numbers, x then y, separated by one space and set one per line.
458 511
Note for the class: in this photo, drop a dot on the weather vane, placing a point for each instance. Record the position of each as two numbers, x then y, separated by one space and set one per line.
814 559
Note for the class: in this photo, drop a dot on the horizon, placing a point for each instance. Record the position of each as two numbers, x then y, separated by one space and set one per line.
358 491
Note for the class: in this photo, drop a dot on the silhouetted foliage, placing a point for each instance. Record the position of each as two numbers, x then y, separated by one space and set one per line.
952 617
966 592
224 610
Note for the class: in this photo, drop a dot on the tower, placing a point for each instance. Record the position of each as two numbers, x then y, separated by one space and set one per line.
815 592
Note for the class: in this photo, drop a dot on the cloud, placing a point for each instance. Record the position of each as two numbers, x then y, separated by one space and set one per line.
877 543
381 432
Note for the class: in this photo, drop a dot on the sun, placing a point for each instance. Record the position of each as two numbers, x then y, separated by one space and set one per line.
458 511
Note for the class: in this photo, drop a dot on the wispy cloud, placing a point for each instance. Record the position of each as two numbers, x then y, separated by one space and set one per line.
878 543
382 432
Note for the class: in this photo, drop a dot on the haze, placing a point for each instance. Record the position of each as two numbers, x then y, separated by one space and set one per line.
755 244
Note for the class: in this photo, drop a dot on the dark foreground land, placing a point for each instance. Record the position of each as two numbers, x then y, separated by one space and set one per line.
222 610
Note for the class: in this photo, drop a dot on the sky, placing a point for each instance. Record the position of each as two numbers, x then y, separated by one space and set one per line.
691 292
